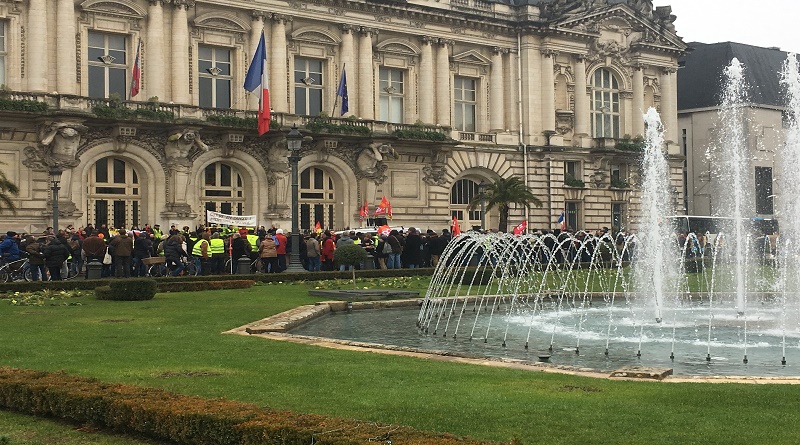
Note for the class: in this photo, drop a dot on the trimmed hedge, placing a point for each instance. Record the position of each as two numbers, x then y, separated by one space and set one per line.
80 284
185 419
192 286
134 289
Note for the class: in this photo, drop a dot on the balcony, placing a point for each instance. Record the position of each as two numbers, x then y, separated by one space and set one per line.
151 111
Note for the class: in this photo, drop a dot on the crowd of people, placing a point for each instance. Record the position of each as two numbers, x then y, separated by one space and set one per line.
211 250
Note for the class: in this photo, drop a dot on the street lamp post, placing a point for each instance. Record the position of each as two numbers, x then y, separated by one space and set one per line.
294 142
482 191
55 178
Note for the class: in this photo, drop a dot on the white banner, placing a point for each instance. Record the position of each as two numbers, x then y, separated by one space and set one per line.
233 220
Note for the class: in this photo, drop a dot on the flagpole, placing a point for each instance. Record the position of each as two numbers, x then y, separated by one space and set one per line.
336 99
135 61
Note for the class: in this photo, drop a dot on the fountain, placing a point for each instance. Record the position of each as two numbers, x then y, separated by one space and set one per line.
605 301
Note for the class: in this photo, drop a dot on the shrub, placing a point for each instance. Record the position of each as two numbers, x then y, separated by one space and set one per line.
191 286
189 419
350 255
422 135
135 289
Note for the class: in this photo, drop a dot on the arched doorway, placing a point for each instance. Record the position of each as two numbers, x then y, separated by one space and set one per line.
223 189
114 194
317 200
461 194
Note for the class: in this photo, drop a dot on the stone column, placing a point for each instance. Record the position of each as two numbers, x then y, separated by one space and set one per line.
279 77
426 80
366 75
180 52
512 92
65 55
669 112
37 56
638 100
348 62
581 98
548 91
497 92
444 93
154 52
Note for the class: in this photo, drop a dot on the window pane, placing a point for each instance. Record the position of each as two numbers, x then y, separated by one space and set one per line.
314 102
300 101
119 214
203 66
211 175
225 207
101 171
94 54
397 110
225 68
224 175
119 171
204 93
116 41
96 39
100 213
318 182
469 118
223 93
384 108
119 57
97 81
305 179
116 82
459 117
204 52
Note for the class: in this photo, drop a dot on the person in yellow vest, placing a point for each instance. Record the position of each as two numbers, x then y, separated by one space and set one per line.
252 238
217 246
202 253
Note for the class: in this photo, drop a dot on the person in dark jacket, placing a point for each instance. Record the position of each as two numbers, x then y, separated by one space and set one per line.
55 253
36 259
142 248
122 246
396 241
412 251
173 252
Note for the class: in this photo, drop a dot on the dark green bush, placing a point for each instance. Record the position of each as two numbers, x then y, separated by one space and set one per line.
23 105
134 289
185 419
422 135
349 255
191 286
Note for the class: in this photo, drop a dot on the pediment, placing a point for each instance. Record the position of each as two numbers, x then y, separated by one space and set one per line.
316 35
398 46
118 8
621 19
222 21
472 57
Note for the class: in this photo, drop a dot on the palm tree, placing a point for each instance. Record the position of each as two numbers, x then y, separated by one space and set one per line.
7 188
501 194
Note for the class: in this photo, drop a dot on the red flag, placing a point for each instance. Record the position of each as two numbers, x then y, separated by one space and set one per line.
255 80
384 230
456 229
384 208
136 76
364 213
521 228
318 227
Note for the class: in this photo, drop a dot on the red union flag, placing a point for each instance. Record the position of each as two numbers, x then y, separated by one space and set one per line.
455 228
384 208
364 211
521 228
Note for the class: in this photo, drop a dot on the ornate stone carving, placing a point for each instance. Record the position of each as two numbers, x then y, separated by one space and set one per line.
60 141
436 172
179 145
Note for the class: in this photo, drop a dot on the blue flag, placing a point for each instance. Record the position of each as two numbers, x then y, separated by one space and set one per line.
342 92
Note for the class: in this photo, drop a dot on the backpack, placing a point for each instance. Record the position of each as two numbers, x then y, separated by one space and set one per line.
74 245
387 248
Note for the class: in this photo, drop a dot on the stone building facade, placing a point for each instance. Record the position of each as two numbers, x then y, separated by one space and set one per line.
442 95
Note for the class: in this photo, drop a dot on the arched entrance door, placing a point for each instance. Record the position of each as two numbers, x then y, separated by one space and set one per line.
317 199
114 195
461 194
223 189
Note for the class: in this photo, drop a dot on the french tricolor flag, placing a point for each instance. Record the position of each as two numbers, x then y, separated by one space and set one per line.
257 79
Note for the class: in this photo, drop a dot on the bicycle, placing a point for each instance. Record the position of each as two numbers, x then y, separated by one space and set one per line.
13 271
71 273
158 267
255 266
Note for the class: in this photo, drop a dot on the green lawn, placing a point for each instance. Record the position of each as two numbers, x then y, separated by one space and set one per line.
174 342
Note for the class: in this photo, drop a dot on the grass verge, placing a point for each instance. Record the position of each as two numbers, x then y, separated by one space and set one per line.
174 342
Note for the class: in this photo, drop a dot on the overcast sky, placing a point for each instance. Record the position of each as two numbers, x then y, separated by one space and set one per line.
766 23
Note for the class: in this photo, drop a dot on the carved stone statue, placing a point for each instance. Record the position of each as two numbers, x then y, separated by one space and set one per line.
62 140
180 143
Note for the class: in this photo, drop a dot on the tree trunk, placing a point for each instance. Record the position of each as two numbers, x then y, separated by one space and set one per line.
503 219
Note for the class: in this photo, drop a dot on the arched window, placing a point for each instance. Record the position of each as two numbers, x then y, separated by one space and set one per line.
223 189
605 105
114 194
462 193
317 199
